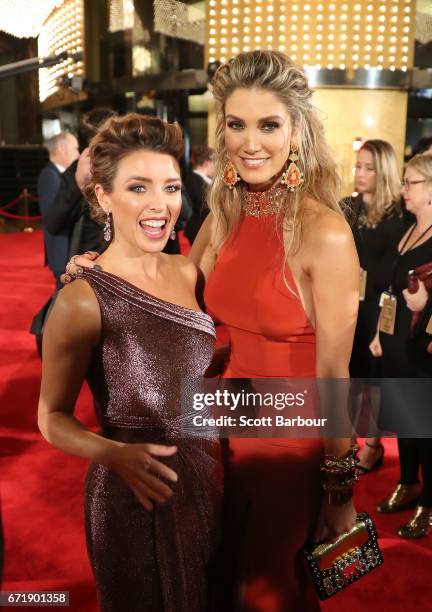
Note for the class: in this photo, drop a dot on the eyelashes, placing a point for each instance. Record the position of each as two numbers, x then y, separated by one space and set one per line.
366 168
235 125
269 126
174 188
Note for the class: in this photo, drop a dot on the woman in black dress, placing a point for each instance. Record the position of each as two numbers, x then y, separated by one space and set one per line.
376 221
407 402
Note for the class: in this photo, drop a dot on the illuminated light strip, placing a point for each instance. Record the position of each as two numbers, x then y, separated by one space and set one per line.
63 30
277 22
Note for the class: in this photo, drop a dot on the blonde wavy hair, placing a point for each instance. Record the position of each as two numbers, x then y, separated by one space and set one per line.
422 162
386 199
276 73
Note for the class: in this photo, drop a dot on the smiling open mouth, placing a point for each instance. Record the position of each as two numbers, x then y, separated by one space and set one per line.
254 163
154 228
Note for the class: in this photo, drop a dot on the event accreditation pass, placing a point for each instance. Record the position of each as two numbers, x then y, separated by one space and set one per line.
388 303
34 598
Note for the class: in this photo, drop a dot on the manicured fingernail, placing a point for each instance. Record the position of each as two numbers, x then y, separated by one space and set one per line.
97 268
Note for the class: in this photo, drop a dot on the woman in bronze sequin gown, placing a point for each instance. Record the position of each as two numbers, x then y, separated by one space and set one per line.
134 331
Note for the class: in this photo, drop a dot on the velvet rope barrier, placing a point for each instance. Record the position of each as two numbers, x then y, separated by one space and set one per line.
10 204
26 196
20 217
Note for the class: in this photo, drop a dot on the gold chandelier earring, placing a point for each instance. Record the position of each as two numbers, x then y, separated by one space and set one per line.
230 176
293 177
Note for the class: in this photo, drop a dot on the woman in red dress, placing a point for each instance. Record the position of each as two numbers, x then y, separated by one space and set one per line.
282 274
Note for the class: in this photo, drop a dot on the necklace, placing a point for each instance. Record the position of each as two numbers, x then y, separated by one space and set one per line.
263 203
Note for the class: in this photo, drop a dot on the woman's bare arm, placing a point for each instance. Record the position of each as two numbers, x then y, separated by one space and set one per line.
334 271
72 332
204 251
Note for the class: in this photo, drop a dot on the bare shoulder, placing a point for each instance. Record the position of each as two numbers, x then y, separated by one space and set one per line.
77 297
76 312
324 227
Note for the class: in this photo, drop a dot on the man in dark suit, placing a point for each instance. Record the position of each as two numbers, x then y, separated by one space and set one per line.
69 213
197 183
63 150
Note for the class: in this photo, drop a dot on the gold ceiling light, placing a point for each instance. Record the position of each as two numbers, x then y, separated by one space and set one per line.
25 18
364 34
63 30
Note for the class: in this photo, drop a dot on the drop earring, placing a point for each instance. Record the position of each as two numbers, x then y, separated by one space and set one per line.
230 176
107 227
293 177
173 234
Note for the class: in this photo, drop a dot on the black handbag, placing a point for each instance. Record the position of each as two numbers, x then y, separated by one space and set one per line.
336 565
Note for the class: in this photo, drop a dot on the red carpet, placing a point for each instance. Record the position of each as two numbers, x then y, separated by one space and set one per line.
41 488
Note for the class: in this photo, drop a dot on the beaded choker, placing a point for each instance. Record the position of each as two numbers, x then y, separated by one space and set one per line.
263 203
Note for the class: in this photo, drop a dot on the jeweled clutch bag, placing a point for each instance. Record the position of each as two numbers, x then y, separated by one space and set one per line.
336 565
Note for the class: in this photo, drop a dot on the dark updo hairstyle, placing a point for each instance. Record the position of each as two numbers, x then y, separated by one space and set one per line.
200 154
119 137
89 124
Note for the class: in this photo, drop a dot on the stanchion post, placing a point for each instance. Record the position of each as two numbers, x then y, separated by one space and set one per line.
25 198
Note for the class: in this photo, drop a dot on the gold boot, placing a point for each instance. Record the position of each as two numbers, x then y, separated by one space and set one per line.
419 524
402 498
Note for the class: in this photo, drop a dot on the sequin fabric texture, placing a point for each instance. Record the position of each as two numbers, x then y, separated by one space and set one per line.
159 561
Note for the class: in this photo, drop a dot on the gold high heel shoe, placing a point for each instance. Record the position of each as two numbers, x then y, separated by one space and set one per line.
419 524
402 498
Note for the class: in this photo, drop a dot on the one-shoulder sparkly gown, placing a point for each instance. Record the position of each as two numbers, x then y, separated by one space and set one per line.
159 561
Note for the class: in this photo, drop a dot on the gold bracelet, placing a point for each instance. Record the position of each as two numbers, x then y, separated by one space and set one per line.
339 475
344 463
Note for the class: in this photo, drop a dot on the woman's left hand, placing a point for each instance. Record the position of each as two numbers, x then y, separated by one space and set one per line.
334 521
416 301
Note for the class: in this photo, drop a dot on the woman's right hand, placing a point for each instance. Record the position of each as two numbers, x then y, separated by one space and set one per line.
86 260
334 521
375 347
417 301
135 463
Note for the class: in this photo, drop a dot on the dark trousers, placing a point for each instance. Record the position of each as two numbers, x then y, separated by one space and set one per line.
413 454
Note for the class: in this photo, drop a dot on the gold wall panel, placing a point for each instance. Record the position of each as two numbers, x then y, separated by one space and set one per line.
348 114
338 34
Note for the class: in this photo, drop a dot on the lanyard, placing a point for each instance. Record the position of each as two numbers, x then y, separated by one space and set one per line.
403 252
